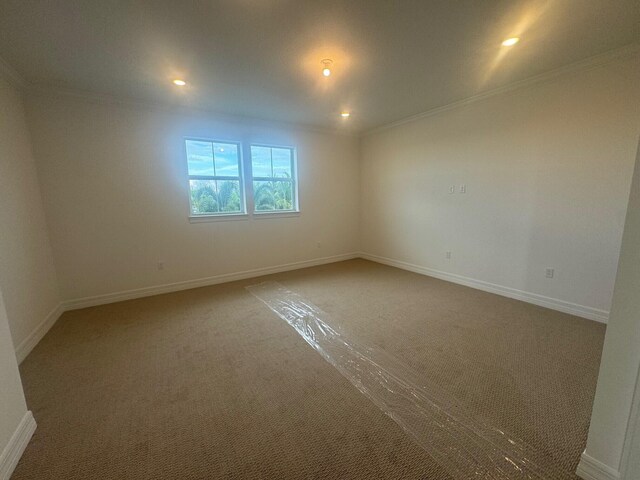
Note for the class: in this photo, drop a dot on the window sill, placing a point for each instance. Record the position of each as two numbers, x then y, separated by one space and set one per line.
271 214
218 218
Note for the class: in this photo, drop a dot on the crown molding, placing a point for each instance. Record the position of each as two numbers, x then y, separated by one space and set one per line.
49 90
582 65
11 75
605 58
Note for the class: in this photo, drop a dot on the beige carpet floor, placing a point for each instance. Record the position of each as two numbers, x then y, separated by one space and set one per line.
210 384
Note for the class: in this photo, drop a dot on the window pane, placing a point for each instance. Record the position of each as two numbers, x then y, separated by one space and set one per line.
263 196
204 197
200 158
226 159
273 195
281 162
261 161
229 196
215 196
283 195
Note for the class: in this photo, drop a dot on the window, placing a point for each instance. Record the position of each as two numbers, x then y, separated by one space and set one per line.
217 187
274 179
215 178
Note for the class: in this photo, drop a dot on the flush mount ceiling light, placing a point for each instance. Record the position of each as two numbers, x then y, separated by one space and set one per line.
510 42
180 83
345 114
326 66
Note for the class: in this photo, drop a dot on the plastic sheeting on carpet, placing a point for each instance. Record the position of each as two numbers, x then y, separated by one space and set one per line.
466 446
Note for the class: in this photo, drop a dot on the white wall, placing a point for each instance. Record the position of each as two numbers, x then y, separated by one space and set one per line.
621 353
27 275
12 404
115 189
547 169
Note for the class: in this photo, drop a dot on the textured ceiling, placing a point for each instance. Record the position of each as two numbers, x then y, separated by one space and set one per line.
261 58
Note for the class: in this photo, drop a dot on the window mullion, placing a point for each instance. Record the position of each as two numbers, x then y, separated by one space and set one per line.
273 179
271 154
209 177
213 153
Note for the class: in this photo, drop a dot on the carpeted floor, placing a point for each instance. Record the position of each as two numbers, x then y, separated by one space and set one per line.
210 384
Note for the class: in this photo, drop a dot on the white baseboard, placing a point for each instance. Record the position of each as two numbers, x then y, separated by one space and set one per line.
591 469
17 443
40 331
32 340
548 302
201 282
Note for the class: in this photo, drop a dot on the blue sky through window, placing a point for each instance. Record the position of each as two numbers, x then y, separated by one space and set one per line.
271 162
261 161
226 159
281 162
201 156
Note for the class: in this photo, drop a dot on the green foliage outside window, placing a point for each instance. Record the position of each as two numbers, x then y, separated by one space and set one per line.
215 196
273 195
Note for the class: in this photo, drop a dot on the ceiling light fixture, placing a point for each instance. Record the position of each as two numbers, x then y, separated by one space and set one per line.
345 114
510 42
327 63
180 83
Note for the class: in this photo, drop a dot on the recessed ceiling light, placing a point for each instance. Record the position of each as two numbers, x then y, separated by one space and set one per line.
510 42
327 62
345 114
180 83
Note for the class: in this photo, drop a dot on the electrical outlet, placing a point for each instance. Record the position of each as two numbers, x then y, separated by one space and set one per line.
318 244
447 255
160 265
452 189
463 189
549 273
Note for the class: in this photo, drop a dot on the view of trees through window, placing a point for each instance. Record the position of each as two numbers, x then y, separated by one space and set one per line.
215 181
273 195
215 196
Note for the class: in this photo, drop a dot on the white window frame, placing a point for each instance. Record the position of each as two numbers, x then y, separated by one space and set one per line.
294 183
213 216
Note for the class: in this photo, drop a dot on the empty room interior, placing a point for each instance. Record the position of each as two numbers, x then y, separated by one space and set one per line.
338 239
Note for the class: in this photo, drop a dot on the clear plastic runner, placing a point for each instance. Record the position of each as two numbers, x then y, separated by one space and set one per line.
465 446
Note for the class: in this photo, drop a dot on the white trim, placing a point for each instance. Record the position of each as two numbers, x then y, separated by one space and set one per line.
201 282
38 333
260 215
585 64
16 446
631 448
10 74
28 344
221 217
591 469
48 90
541 300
